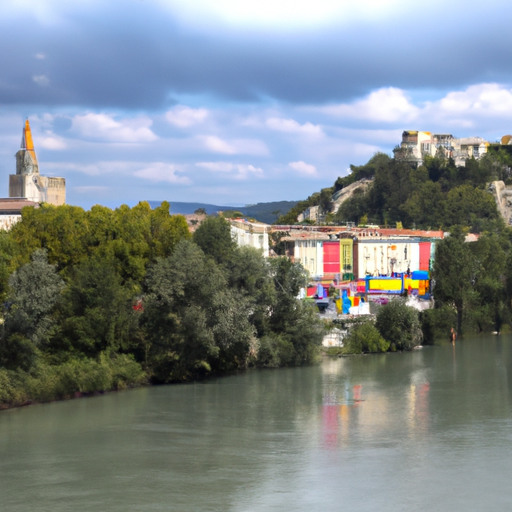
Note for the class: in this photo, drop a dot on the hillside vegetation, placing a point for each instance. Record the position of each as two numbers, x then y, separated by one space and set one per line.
435 195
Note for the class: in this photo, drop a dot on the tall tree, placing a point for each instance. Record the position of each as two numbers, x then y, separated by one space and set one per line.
214 237
34 291
454 273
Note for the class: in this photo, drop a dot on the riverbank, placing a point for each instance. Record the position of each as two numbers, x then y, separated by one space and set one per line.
72 379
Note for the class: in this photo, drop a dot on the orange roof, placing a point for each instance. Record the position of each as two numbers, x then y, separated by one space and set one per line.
27 142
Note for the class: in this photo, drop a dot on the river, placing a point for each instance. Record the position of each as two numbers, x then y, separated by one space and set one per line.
428 430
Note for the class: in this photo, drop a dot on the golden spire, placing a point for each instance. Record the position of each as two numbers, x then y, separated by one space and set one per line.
27 142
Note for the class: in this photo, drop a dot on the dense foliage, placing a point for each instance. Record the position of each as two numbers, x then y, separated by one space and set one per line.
474 281
435 195
399 324
105 299
365 338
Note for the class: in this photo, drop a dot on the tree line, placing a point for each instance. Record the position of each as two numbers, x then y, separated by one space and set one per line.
104 299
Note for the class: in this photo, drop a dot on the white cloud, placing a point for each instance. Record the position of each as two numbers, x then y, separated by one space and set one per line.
217 166
40 56
384 105
183 116
217 145
463 109
234 147
239 171
41 80
471 107
282 14
303 168
292 126
104 126
52 142
162 172
246 170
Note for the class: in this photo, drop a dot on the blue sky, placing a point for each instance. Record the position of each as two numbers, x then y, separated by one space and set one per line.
230 102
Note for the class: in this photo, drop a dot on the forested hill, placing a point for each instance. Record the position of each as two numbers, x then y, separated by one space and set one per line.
437 194
264 212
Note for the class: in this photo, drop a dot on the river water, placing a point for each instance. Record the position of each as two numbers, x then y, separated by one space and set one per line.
429 430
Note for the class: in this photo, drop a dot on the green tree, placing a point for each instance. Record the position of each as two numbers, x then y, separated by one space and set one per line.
34 290
248 274
365 338
426 206
95 314
214 238
399 324
454 273
471 207
195 323
490 281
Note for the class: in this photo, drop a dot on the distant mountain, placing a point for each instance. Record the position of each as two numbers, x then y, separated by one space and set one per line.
264 212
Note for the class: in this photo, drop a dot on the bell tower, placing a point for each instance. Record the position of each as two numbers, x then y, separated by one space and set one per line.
27 182
26 159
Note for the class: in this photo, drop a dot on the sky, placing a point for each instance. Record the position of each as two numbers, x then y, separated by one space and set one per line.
233 103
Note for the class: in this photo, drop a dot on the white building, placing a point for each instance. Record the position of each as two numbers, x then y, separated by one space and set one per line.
416 144
252 234
10 210
383 256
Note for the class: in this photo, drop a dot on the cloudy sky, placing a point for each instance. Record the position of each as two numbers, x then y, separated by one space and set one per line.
237 102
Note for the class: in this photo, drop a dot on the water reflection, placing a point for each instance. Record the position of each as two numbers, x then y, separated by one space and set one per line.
426 430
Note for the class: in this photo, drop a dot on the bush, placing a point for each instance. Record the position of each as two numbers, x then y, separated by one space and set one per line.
436 323
53 382
12 391
364 338
275 351
399 324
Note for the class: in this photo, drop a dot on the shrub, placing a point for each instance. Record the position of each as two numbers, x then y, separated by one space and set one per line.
47 382
399 324
436 323
275 351
364 338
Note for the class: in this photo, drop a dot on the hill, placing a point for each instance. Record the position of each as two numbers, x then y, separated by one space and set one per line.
264 212
434 194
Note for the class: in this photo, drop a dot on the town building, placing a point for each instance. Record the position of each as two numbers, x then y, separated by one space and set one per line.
10 210
351 253
252 234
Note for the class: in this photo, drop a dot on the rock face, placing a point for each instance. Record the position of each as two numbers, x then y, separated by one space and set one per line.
27 182
345 193
503 196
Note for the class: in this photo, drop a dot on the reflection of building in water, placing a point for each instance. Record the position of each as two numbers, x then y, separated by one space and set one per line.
418 398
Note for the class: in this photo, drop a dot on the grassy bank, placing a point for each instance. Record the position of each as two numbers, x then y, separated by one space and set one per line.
46 382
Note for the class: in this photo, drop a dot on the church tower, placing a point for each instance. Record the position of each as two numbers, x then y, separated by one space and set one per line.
26 159
27 182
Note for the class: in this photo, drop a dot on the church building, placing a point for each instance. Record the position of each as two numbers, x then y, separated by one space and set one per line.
28 183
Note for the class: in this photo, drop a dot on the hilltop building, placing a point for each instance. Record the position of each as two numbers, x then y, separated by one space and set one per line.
27 182
416 144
